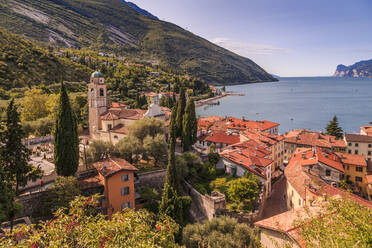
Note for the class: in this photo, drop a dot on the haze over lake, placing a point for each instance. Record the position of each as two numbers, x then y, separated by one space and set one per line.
300 102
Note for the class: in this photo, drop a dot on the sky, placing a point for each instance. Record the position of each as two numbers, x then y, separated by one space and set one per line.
285 37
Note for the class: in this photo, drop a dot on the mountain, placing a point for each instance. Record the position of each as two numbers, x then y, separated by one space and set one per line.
139 10
110 25
360 69
22 64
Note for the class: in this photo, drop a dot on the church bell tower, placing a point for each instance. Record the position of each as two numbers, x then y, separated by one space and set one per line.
97 99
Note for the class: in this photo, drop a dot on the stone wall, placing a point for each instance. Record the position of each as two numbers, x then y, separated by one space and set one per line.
154 179
32 204
205 206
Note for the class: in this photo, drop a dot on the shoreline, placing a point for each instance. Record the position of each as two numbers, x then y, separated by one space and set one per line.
203 102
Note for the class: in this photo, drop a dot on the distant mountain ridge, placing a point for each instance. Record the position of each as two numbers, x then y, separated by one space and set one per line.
359 69
139 10
112 26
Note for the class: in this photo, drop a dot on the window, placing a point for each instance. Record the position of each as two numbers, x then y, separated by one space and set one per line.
125 191
101 92
350 144
358 168
358 179
109 126
116 137
356 152
369 145
347 167
369 153
125 178
349 151
328 173
356 144
126 205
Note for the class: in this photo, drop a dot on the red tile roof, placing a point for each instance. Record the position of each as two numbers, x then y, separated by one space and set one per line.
123 113
333 191
313 139
224 138
329 159
111 166
238 124
296 176
310 156
358 138
352 159
91 182
118 105
120 129
248 159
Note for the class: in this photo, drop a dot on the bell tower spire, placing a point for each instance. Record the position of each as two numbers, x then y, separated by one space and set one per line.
97 99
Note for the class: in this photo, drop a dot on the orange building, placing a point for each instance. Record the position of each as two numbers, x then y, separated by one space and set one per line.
116 176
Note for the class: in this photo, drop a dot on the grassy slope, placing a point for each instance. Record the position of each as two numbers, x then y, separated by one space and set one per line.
22 64
88 22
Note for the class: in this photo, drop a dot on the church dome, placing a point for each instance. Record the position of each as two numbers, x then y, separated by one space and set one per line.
96 74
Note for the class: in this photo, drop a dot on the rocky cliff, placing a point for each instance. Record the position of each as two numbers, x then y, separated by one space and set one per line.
360 69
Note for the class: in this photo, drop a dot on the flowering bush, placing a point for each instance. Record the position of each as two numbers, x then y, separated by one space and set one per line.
84 227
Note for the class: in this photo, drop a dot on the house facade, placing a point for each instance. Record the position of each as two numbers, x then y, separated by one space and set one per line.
116 178
359 144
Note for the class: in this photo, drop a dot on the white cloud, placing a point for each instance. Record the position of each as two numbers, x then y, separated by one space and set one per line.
245 49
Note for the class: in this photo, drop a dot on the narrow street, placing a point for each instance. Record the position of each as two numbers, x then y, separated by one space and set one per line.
276 203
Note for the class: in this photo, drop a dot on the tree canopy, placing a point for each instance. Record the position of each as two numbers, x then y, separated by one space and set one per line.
66 140
340 223
334 129
189 126
220 233
81 226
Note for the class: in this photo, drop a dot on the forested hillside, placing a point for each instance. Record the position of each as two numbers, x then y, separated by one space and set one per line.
22 64
111 25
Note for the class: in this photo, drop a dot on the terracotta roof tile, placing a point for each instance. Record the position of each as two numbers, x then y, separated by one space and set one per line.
224 138
111 166
311 138
352 159
358 138
122 129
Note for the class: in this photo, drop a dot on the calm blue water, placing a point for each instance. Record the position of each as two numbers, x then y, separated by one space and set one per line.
311 102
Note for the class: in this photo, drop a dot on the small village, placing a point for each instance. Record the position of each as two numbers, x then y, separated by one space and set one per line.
281 176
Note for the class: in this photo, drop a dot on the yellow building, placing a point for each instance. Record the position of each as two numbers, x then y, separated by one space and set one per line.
355 169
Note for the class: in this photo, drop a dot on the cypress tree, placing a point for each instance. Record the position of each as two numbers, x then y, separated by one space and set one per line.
180 112
171 204
171 177
334 129
66 140
15 155
190 126
15 171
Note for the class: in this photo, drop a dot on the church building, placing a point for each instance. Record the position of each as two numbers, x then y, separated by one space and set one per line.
110 123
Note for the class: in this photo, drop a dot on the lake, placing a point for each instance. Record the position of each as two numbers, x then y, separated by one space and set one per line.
295 103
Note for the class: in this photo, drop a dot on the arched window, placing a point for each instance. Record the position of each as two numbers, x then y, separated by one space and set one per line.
92 92
101 92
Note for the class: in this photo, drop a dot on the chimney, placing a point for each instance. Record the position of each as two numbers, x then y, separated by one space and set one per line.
243 118
241 162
